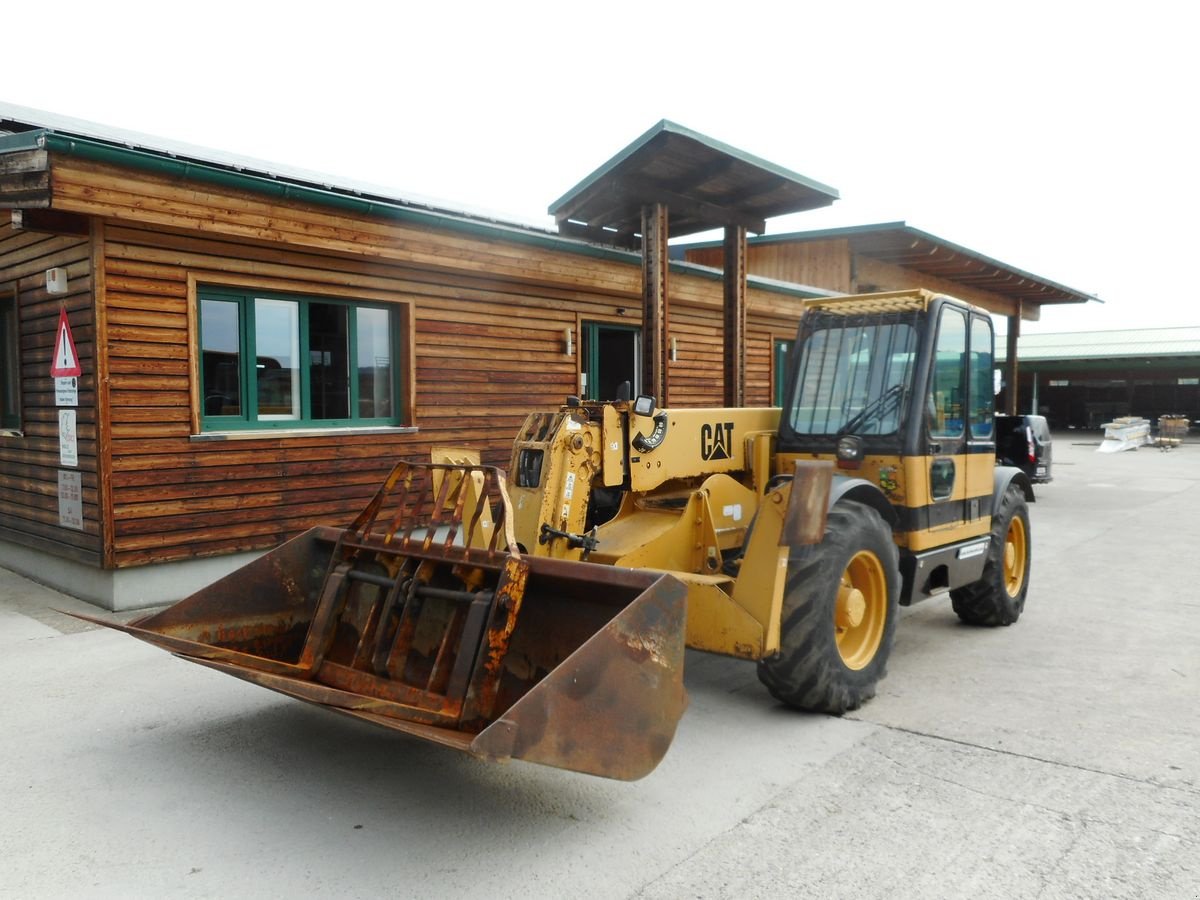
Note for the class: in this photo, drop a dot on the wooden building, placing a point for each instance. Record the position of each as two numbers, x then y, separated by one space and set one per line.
258 346
894 256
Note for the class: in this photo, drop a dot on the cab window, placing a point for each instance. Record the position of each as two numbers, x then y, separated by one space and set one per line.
983 391
947 388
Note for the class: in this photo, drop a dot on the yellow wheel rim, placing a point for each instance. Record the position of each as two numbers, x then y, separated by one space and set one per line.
860 610
1016 548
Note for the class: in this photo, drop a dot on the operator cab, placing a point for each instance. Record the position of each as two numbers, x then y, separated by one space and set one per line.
898 391
907 374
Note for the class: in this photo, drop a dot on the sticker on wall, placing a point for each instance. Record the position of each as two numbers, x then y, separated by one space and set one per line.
70 500
68 440
66 391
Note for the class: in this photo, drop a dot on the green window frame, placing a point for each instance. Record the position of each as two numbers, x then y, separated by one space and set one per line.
782 347
271 360
10 362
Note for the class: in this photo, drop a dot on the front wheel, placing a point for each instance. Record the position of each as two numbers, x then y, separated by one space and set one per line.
839 615
998 597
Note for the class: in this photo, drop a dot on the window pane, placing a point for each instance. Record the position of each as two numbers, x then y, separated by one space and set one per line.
983 390
946 392
220 358
10 364
782 349
329 360
277 346
376 377
853 377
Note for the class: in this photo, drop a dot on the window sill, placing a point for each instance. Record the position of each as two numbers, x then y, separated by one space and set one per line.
284 433
12 432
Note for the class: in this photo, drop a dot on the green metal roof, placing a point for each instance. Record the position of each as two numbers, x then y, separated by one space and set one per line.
1136 343
20 129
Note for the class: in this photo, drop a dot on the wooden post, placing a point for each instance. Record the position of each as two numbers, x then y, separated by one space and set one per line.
1012 370
734 345
655 311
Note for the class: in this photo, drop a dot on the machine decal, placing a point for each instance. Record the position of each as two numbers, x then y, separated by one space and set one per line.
716 440
887 480
973 550
646 443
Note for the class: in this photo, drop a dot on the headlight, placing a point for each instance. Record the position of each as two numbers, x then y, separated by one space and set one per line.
850 451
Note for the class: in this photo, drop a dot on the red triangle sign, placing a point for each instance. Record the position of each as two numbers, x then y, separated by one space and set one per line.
65 361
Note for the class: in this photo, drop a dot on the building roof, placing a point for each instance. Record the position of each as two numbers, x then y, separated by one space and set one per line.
1139 343
22 128
704 183
902 245
20 119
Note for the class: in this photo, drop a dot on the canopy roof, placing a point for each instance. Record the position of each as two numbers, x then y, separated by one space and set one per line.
704 183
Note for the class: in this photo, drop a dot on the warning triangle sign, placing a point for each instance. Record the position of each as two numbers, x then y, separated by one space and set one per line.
65 361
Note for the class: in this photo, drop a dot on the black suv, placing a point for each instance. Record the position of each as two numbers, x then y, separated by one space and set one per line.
1024 442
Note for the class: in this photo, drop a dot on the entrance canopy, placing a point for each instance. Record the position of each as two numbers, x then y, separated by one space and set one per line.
706 184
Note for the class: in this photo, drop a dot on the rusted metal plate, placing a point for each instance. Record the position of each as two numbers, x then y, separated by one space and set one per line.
611 708
804 522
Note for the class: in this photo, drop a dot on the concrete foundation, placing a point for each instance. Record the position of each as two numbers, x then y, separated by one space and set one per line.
120 589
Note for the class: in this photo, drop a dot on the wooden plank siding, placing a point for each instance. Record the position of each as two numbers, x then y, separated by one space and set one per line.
822 264
485 313
832 266
29 461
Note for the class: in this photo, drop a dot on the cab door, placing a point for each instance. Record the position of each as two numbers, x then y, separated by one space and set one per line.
981 424
946 422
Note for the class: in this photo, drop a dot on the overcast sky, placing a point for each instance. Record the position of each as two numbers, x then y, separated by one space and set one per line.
1059 138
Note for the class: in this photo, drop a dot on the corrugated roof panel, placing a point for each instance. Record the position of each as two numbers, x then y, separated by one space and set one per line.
1132 342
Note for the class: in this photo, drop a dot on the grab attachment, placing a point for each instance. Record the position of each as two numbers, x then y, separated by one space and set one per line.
423 616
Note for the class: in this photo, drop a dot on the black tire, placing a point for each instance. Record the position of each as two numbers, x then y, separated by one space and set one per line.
820 666
998 597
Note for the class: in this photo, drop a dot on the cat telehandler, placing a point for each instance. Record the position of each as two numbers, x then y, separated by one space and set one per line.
544 615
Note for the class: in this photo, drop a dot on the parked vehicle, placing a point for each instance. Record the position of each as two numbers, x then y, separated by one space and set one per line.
1025 442
509 619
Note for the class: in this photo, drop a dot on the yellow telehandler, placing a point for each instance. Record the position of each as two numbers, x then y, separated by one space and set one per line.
543 616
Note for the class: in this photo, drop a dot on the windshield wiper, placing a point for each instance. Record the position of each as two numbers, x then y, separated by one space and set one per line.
884 403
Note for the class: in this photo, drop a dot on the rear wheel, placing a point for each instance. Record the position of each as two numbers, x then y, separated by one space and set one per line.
998 597
839 615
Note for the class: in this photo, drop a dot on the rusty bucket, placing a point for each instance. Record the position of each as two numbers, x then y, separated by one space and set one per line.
423 617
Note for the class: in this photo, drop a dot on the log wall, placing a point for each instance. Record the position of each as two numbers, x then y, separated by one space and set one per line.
30 461
485 315
822 264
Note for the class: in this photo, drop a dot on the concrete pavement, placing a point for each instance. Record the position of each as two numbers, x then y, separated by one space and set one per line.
1056 758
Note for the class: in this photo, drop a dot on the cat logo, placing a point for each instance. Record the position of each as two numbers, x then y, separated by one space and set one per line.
716 441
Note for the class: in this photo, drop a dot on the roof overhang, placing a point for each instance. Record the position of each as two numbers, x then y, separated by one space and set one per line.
704 183
901 245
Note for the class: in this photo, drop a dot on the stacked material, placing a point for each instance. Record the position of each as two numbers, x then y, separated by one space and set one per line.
1171 431
1125 433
